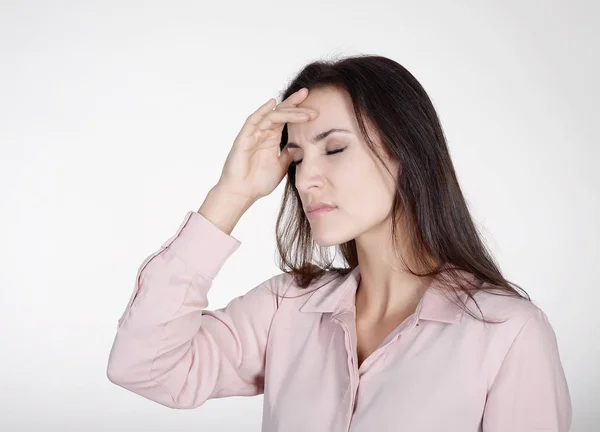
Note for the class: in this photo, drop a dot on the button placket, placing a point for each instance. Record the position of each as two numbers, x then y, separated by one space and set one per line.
352 365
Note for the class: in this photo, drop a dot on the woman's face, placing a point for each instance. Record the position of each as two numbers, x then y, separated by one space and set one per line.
352 179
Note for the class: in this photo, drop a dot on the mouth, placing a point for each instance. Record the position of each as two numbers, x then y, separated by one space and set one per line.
319 212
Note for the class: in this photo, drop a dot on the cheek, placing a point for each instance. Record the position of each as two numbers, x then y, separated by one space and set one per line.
365 190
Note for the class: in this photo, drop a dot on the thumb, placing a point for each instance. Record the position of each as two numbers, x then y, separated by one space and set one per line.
285 159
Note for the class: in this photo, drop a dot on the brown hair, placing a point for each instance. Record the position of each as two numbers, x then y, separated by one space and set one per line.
428 198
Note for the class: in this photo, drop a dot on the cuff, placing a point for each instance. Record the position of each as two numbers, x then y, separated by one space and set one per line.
201 245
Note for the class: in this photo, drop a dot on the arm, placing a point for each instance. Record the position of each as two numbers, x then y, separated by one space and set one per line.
168 347
530 392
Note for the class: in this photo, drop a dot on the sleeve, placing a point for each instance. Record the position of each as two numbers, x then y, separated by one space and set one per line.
530 392
168 347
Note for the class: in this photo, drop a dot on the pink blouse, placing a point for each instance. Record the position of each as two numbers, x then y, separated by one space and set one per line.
440 370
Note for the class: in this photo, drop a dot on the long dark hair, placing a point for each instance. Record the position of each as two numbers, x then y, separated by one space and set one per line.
428 199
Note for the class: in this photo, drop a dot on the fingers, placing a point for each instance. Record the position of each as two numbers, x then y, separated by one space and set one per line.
266 117
258 115
294 99
280 116
285 159
253 119
291 101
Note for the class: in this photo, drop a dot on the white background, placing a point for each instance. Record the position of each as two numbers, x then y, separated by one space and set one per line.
116 118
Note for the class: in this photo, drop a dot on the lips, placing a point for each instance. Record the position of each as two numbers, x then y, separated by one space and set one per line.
318 210
315 207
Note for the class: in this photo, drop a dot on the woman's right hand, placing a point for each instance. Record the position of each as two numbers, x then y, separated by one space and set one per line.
254 167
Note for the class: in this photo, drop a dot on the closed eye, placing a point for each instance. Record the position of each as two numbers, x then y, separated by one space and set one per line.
332 152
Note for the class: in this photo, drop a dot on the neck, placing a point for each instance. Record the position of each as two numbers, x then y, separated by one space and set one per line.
386 288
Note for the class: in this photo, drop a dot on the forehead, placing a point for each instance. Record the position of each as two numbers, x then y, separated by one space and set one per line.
335 111
327 98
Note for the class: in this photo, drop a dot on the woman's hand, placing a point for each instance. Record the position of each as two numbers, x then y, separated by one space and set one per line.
254 167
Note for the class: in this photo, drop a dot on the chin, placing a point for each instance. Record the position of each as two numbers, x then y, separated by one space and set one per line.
326 244
330 239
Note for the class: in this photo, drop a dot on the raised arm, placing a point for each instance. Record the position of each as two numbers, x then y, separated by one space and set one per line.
168 347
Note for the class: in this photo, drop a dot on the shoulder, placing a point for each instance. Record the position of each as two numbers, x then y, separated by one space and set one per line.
497 304
282 284
284 287
519 320
521 353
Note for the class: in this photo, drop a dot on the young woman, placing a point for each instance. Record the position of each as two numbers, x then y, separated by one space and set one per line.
417 331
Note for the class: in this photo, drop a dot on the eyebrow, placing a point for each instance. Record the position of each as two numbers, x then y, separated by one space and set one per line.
319 137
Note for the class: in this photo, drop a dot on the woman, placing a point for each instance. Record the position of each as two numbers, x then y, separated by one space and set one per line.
417 331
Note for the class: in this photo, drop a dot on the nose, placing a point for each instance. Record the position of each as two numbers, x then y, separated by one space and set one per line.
309 174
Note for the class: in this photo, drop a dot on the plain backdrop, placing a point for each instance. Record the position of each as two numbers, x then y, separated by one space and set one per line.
116 118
